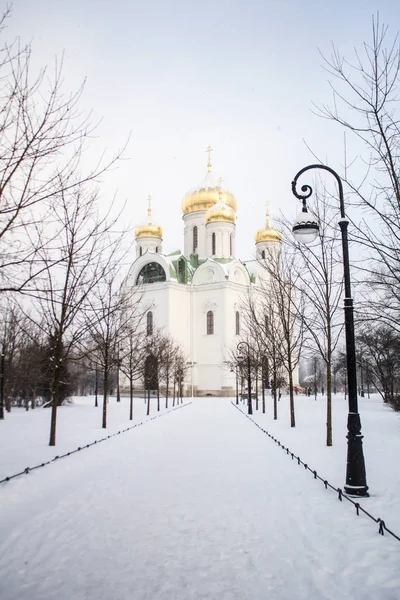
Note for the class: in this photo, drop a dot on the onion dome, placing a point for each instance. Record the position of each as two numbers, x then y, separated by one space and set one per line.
150 229
220 212
269 234
206 194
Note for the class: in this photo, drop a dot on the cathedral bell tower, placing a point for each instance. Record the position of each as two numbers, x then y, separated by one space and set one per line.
148 236
268 241
220 228
195 205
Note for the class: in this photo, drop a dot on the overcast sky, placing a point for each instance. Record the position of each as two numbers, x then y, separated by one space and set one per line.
177 75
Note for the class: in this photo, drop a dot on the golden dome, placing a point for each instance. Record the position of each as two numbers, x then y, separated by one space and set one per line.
206 194
220 212
150 229
269 234
205 198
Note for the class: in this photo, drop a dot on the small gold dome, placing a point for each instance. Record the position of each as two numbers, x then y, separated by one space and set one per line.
149 230
220 213
269 234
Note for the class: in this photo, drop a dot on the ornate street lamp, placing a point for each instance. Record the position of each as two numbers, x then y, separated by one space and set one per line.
306 230
240 359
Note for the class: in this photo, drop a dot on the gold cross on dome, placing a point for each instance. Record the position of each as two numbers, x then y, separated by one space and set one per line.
149 207
268 221
220 180
209 150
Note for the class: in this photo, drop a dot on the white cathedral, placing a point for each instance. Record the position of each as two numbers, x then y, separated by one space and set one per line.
196 296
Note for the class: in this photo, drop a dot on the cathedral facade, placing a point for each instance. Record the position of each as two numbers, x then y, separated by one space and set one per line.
196 296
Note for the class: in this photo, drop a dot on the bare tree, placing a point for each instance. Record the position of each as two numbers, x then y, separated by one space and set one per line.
167 359
43 135
365 103
77 260
286 312
320 283
133 354
109 324
259 311
380 347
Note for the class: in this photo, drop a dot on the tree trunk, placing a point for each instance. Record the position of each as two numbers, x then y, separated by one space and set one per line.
148 402
166 391
131 398
105 398
274 394
96 389
328 404
292 415
55 397
263 395
256 389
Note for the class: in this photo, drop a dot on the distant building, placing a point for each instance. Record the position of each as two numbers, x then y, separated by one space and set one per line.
196 296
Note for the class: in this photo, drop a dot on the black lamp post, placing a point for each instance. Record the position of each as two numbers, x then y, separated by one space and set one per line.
237 385
234 370
240 358
306 230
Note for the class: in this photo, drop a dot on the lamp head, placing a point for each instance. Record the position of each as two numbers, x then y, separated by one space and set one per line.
305 228
240 357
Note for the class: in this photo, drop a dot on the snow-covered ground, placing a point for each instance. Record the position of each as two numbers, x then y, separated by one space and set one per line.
197 504
24 436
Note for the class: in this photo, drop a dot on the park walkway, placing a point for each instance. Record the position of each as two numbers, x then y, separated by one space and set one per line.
197 504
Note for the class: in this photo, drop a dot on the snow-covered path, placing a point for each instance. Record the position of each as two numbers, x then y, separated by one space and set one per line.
197 504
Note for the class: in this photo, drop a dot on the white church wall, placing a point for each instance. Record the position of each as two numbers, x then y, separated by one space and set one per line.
151 244
191 220
223 233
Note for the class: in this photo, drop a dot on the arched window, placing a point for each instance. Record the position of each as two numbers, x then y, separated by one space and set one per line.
194 239
157 249
213 244
263 254
149 323
231 245
210 322
140 251
237 323
151 273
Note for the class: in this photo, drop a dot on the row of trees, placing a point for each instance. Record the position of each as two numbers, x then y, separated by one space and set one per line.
309 278
114 352
60 255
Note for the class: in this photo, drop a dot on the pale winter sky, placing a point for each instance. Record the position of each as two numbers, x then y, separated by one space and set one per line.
178 75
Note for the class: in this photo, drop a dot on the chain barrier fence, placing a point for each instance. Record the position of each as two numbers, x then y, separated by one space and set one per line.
341 495
107 437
